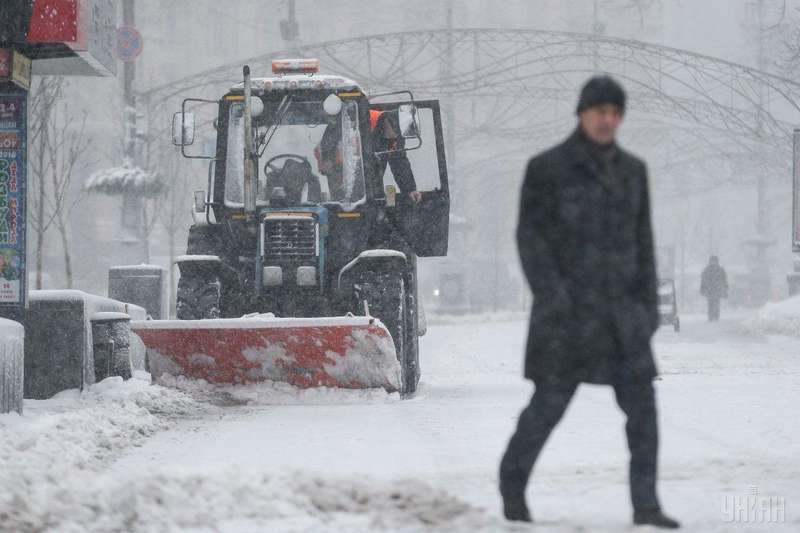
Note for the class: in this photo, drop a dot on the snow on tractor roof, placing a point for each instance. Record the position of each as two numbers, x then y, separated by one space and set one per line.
300 81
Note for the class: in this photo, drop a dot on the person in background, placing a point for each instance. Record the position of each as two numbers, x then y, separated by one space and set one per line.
714 286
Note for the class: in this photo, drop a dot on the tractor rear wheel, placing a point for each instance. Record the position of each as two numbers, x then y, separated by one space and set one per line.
198 297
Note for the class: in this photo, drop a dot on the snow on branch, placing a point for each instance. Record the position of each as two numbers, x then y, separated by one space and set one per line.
126 179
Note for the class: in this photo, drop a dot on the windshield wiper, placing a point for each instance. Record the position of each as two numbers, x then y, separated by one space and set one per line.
280 114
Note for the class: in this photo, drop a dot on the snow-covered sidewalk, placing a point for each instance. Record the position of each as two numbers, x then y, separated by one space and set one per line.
59 470
137 457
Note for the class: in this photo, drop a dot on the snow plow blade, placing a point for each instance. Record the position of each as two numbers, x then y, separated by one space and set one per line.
347 352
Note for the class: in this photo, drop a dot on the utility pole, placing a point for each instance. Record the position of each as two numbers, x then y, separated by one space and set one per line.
128 76
761 274
598 29
761 219
290 28
447 75
132 204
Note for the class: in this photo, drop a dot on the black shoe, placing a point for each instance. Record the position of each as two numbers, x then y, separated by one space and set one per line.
515 509
656 518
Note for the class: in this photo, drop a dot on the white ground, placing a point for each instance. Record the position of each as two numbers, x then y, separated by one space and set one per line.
139 457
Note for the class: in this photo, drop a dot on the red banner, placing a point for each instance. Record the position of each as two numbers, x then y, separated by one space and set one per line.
55 21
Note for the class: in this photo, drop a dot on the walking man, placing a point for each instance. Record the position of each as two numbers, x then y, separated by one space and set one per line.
714 286
586 247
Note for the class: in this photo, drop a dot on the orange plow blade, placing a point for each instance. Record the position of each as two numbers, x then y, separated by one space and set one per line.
347 352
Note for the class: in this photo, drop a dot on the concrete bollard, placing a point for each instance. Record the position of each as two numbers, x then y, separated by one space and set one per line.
12 351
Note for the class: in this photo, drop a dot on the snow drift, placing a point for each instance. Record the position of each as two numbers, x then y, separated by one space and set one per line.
55 475
778 318
244 501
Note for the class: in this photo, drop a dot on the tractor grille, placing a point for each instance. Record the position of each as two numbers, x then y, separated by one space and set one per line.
290 239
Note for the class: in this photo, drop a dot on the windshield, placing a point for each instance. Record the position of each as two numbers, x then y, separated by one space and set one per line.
305 156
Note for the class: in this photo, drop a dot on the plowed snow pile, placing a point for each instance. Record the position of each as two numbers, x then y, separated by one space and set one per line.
54 461
778 318
241 502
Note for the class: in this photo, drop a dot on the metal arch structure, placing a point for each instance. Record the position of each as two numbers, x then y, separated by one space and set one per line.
712 119
705 123
534 65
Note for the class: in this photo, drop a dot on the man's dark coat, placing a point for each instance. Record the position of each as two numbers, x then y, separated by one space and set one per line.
586 246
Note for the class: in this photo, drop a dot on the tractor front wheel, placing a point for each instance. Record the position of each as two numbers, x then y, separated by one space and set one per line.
387 299
198 297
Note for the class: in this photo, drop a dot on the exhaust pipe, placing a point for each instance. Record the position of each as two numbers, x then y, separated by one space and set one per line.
249 151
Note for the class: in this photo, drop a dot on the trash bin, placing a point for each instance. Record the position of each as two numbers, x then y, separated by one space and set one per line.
143 285
111 345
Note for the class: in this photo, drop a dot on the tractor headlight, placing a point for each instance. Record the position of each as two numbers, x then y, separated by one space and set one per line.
306 276
272 276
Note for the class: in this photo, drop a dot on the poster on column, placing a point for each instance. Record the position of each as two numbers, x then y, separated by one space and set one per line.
13 123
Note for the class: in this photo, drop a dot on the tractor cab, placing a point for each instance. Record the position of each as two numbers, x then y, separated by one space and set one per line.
312 137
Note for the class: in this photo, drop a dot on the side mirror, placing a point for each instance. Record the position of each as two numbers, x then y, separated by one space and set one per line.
183 129
196 121
409 126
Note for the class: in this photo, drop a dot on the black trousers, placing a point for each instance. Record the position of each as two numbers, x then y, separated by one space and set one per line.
713 309
547 406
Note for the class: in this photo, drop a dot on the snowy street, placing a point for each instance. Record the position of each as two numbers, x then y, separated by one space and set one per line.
224 226
133 456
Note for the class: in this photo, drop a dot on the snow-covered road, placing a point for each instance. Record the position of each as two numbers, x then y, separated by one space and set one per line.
277 459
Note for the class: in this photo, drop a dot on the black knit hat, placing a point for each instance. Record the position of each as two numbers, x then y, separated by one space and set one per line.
601 90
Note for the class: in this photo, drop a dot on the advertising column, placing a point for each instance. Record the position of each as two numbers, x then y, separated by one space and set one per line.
796 194
13 148
794 277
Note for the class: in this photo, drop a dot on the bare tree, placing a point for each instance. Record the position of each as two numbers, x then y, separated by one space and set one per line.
67 158
174 212
58 143
782 37
137 181
43 99
641 7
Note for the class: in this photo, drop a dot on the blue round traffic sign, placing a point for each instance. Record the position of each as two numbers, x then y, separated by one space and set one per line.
129 43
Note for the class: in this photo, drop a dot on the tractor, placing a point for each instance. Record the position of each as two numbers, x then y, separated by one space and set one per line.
301 264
